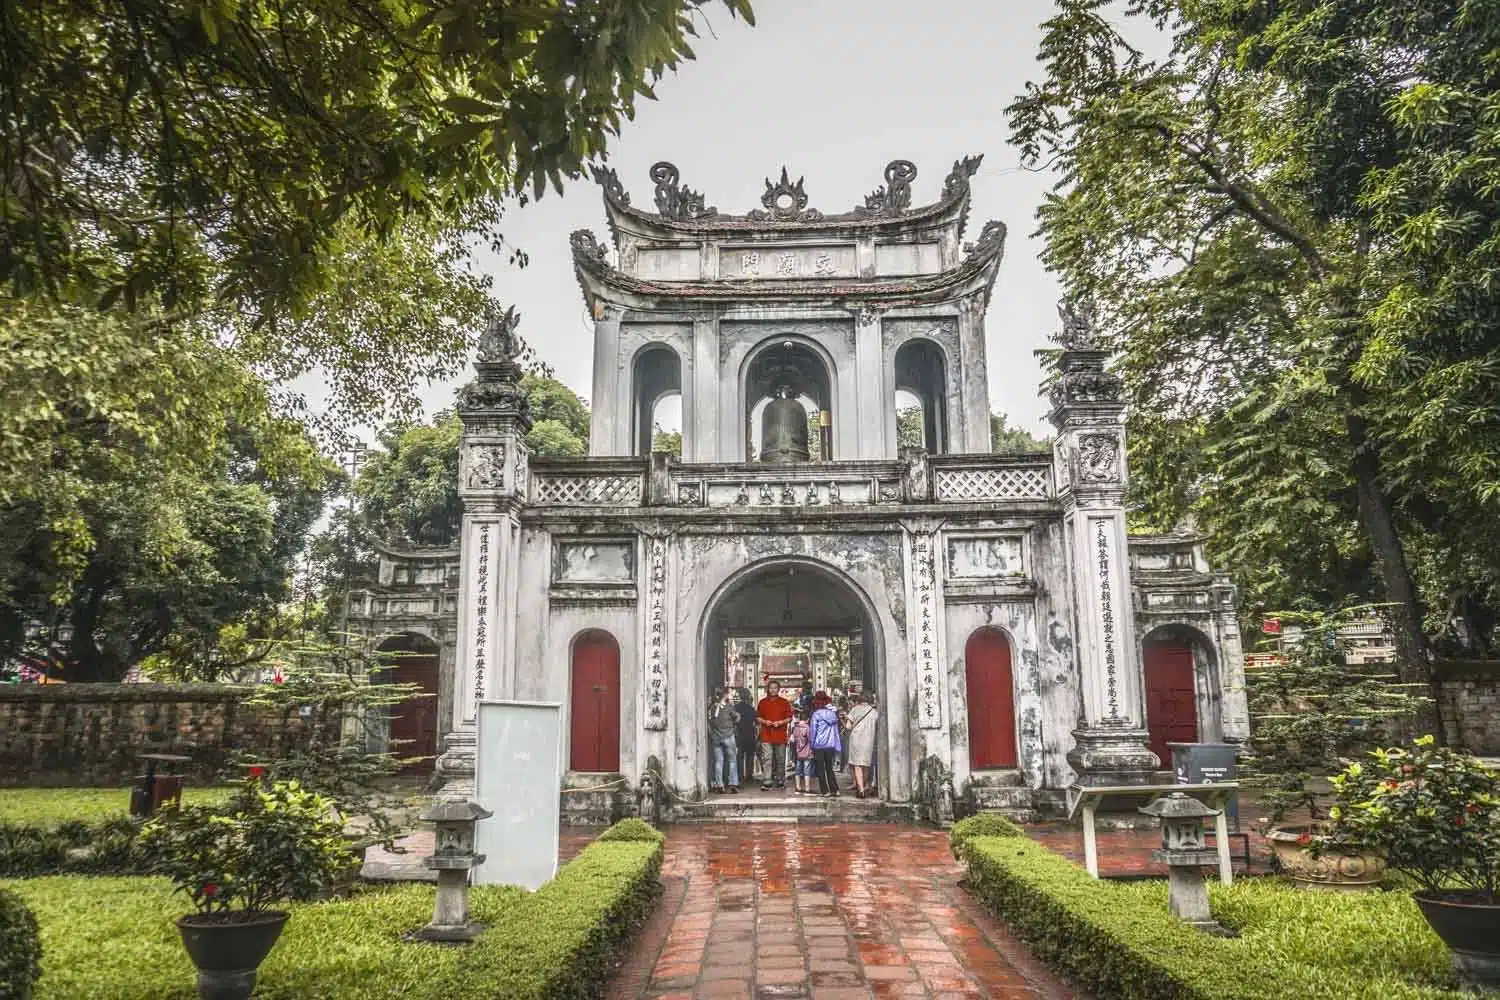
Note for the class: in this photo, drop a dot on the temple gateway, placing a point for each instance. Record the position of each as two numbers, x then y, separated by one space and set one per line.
1016 638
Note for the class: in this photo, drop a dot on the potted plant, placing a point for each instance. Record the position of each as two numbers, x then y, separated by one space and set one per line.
1434 814
266 845
1311 713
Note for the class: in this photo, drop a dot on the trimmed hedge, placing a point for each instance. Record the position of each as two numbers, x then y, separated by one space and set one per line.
113 938
980 825
20 948
110 847
1118 940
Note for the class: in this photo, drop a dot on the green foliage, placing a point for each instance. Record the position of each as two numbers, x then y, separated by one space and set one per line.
1289 225
1006 440
560 417
269 843
220 153
342 695
667 441
1432 812
113 939
1313 713
982 824
50 807
108 847
561 944
633 829
20 948
1118 940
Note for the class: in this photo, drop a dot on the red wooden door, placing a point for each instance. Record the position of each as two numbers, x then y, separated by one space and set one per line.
992 700
414 722
595 725
1171 701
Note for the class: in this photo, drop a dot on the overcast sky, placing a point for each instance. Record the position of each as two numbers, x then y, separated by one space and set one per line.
833 89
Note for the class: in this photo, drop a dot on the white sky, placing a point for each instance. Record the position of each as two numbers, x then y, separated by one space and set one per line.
833 89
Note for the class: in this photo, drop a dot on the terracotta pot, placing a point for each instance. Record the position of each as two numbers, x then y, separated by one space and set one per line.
227 949
1468 921
1348 872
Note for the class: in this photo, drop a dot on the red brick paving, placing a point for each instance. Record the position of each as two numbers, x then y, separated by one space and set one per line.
758 911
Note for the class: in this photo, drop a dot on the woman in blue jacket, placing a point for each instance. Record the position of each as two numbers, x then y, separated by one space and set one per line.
826 743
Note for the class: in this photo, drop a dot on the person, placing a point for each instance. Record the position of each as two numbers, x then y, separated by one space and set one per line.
842 761
774 714
726 754
744 733
860 749
802 750
824 726
805 699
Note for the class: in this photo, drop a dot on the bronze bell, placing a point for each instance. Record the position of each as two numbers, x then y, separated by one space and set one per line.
783 431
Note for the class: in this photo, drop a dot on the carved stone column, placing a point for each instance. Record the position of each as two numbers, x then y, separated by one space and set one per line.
492 482
1089 461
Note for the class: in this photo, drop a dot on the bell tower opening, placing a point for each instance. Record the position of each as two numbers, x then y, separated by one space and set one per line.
657 382
805 629
921 385
784 377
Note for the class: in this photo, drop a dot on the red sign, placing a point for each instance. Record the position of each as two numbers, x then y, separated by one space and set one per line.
1271 626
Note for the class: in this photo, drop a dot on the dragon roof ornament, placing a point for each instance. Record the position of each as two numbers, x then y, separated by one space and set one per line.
676 201
894 196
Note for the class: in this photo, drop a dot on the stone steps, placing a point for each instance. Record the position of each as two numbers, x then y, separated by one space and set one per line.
790 809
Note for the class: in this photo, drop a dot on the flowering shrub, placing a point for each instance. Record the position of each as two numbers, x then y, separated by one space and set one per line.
1433 812
265 845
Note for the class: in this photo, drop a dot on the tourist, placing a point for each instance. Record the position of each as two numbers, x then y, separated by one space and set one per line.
774 713
725 753
802 750
744 733
804 700
860 748
825 743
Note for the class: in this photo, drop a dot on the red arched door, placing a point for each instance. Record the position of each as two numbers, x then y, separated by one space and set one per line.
595 732
992 700
1171 701
414 722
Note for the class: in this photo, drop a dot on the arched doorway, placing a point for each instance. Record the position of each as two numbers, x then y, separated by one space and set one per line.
990 690
656 375
1171 691
790 620
795 366
594 726
413 732
922 396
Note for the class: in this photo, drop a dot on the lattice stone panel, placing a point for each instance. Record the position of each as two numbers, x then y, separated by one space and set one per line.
1023 483
586 491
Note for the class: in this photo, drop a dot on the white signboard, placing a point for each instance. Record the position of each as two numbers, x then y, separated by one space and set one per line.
518 777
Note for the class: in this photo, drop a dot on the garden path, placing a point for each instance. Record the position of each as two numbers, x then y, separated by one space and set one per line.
757 911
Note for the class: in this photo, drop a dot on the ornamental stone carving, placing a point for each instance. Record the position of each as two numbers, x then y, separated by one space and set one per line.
499 342
894 196
586 245
991 238
486 467
676 201
956 185
1098 458
785 202
609 180
1079 325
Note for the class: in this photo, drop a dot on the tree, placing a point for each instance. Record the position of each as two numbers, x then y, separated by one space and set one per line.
170 562
667 441
1005 440
1287 226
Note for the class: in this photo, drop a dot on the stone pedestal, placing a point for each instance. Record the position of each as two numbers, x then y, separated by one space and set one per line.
1089 464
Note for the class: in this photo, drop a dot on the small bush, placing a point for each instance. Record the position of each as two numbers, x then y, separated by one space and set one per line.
20 948
634 830
981 825
1118 941
110 847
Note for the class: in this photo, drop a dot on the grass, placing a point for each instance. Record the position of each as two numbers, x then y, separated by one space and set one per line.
51 806
113 939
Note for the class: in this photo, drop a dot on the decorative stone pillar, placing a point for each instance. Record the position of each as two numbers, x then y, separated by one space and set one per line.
1089 463
492 482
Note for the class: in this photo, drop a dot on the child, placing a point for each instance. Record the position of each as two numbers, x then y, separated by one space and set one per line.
802 745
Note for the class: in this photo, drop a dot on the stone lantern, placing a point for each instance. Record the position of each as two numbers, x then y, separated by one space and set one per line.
452 858
1185 853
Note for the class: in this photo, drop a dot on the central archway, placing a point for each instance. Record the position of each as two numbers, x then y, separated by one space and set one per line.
789 618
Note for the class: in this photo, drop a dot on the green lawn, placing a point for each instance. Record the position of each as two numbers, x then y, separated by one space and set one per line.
51 806
113 939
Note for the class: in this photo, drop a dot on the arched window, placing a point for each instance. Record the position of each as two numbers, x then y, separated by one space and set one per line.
656 376
788 364
921 376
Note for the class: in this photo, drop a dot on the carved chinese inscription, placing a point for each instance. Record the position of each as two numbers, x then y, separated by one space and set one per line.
1107 617
750 265
481 610
655 685
924 629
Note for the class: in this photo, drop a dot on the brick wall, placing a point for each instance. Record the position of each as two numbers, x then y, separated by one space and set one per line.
90 734
1471 707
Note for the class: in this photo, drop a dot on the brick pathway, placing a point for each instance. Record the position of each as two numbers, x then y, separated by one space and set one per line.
759 910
